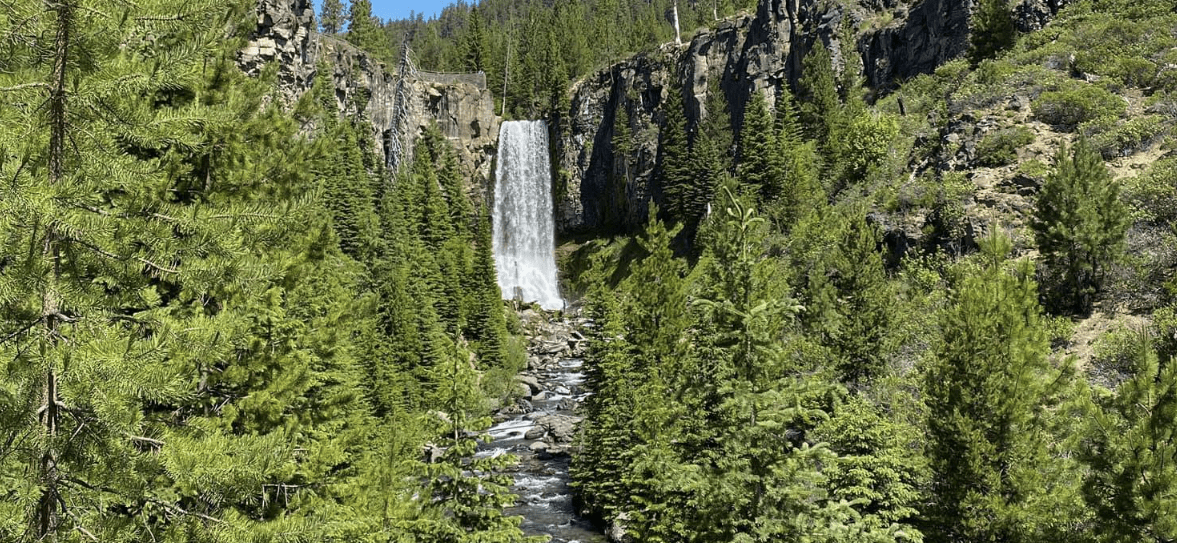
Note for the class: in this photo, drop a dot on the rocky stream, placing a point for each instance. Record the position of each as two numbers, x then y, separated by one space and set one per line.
539 429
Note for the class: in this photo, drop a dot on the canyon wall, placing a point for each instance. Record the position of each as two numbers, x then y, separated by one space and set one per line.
461 106
596 191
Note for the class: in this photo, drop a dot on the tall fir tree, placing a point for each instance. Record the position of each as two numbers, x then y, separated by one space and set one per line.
475 42
1129 450
820 109
760 169
362 28
674 173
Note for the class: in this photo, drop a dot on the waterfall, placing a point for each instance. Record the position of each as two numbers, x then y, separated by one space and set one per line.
524 229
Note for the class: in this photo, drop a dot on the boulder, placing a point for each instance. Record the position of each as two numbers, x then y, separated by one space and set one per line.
561 428
531 381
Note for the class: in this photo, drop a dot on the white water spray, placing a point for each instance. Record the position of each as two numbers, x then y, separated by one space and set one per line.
524 230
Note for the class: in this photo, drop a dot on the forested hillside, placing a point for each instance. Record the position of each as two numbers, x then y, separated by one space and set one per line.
940 311
215 326
534 49
944 316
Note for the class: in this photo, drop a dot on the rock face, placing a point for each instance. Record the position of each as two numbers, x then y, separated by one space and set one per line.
932 33
461 105
598 192
594 191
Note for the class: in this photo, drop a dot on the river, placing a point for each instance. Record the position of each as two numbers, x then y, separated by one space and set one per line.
541 478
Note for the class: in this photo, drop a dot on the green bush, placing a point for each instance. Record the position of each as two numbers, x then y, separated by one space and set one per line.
1153 194
1078 104
1035 169
1114 139
1115 354
1000 147
1059 329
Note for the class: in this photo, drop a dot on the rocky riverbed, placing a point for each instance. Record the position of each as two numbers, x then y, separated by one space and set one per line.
540 427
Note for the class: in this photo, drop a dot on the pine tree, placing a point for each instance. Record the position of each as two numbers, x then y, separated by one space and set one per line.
992 30
820 110
877 467
655 478
362 29
767 481
716 124
675 176
597 468
855 318
802 190
1129 450
331 16
984 392
475 42
760 169
488 326
1079 224
468 493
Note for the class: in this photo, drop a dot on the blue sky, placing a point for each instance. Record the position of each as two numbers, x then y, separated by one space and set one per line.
399 9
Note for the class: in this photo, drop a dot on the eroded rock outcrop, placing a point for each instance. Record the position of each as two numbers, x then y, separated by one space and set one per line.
597 191
461 106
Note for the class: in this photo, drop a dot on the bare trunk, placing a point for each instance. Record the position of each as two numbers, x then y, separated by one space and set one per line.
506 72
48 514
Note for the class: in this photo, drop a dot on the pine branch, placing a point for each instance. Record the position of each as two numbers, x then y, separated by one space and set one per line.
77 521
25 86
161 18
112 256
22 330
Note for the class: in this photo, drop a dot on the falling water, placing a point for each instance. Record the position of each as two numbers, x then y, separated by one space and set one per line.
524 230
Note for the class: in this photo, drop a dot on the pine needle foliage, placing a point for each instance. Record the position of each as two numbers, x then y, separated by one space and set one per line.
1130 453
1080 224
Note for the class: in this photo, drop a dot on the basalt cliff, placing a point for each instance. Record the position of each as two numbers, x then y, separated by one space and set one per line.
594 192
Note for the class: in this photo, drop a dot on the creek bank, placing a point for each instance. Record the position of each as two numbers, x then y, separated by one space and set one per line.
539 428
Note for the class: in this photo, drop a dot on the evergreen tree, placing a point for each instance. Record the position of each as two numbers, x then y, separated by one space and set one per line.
1079 224
802 190
597 468
716 124
362 28
1129 449
984 392
992 30
877 468
488 326
657 482
675 176
820 109
331 16
855 319
760 169
475 42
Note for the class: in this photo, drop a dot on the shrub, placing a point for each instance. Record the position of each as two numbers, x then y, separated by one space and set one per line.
1115 355
1000 147
1114 139
1080 103
1059 329
1153 194
1034 169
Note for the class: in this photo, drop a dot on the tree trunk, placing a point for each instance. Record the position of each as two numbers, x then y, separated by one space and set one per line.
47 517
